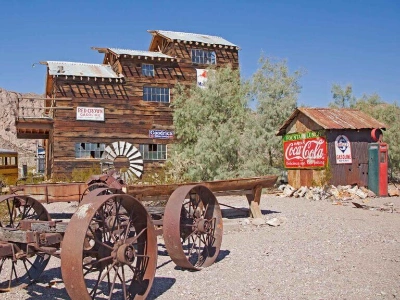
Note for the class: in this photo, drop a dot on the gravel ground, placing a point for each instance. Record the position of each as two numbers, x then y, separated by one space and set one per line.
321 251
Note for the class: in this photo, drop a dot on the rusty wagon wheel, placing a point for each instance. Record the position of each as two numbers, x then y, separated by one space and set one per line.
101 188
20 264
109 249
192 227
92 187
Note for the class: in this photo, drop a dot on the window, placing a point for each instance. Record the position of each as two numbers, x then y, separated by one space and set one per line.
153 151
156 94
89 150
200 56
147 70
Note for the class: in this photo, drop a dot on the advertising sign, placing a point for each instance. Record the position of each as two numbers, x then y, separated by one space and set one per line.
161 134
90 113
305 150
201 77
343 150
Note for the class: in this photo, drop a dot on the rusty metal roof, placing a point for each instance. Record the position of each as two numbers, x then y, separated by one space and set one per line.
8 151
192 37
65 68
335 118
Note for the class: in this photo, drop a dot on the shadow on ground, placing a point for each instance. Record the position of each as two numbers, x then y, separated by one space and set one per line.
237 213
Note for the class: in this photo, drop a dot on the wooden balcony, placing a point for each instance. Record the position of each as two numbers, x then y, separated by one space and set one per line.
34 117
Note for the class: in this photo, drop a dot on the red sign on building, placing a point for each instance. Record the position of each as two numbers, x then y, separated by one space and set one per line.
308 150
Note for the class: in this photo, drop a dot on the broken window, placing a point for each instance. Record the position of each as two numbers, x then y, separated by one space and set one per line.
153 151
89 150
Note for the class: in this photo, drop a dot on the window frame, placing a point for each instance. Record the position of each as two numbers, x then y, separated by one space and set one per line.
159 96
160 152
146 72
89 150
202 59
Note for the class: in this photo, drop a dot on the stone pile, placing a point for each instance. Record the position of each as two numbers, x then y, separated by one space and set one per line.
332 193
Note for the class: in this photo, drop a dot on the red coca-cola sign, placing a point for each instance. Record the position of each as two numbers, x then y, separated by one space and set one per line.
306 152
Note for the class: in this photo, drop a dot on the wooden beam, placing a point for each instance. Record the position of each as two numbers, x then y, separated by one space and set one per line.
34 136
254 202
35 98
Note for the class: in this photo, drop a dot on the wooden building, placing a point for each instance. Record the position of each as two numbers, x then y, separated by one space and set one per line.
126 98
323 145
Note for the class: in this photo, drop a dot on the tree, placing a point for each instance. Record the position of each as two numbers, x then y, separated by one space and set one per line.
342 97
208 124
275 90
390 115
219 136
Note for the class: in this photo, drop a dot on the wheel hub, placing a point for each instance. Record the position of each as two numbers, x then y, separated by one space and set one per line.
203 225
126 254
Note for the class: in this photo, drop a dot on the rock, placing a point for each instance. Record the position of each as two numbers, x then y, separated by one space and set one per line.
281 187
283 220
274 222
258 221
300 192
288 191
353 190
393 192
309 195
244 222
361 194
334 191
369 193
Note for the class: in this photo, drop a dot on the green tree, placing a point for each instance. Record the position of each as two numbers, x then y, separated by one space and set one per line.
219 136
208 124
342 96
390 115
275 91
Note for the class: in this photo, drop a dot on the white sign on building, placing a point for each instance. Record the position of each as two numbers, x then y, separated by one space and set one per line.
201 77
343 150
90 113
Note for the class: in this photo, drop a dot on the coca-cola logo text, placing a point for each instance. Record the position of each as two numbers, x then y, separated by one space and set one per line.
305 153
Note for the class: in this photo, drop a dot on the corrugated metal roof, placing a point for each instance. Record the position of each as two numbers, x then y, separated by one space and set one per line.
66 68
335 118
7 151
193 37
138 53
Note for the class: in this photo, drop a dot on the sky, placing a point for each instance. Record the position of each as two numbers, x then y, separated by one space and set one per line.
342 42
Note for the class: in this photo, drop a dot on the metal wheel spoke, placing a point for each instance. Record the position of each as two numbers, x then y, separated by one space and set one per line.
98 261
94 290
113 283
123 282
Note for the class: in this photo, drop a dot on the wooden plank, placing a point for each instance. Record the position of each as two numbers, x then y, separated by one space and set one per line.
18 236
254 202
215 186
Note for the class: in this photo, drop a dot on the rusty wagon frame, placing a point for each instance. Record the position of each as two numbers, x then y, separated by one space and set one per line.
109 246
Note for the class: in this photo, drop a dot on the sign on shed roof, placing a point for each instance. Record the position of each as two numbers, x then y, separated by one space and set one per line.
335 118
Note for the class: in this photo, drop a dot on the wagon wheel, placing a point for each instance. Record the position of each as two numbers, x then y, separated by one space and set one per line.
25 264
192 227
109 249
98 185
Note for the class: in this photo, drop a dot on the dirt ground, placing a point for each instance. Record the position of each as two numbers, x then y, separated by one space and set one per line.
321 251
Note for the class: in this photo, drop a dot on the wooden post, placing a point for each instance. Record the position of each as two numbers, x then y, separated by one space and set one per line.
254 202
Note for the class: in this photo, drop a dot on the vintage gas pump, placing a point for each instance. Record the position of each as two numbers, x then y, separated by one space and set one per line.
378 167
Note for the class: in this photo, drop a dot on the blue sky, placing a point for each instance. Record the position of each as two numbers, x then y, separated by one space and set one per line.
344 41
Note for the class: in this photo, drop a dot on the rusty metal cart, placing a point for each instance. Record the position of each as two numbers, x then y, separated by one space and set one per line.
109 246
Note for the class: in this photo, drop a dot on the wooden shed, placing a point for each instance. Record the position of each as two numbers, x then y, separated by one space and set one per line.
324 145
127 97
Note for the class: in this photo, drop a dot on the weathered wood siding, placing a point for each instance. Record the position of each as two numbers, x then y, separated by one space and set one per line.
341 174
357 172
127 116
